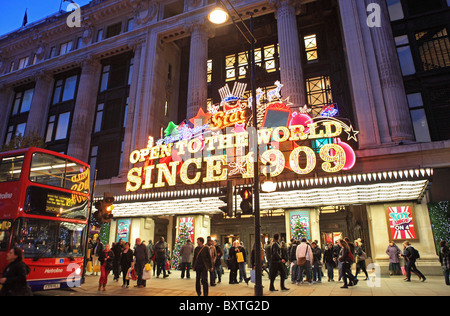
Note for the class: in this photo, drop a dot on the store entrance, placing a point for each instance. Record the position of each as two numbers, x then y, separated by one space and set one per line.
338 222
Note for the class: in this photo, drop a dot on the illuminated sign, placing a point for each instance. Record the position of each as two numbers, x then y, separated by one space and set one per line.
219 145
401 222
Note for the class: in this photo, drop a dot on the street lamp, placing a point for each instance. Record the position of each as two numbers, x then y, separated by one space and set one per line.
252 41
218 15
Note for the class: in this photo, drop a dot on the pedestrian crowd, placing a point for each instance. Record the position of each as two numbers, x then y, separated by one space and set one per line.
301 261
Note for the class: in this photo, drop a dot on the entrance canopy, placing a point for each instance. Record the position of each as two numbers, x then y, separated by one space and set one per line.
365 188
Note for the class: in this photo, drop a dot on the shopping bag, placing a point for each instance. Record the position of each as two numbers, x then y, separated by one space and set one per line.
252 276
403 270
133 275
128 276
97 268
89 266
146 275
148 267
239 257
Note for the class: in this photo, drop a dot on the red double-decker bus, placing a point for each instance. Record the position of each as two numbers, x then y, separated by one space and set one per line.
44 203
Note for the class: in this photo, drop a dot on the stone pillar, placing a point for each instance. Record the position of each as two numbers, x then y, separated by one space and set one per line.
291 71
391 78
6 100
84 112
37 117
359 75
130 131
197 84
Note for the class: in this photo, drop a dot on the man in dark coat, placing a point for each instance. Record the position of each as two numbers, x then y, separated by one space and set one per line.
141 255
202 264
276 265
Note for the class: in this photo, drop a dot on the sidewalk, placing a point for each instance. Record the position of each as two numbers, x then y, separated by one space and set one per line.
175 286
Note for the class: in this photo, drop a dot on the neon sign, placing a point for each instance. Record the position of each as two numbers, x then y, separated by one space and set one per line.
219 145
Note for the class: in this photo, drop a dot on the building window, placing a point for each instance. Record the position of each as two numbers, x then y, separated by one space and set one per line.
130 25
99 35
420 6
65 89
209 68
105 78
11 66
52 52
22 101
23 62
113 30
99 118
65 48
395 10
311 48
14 131
318 90
434 48
130 71
404 55
57 127
236 65
418 117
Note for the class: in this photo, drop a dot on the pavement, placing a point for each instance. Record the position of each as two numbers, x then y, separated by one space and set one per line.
174 286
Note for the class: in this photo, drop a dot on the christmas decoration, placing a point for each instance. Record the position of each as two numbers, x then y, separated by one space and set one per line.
299 230
185 232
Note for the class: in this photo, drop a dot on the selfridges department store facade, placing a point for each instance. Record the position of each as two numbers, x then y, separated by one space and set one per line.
155 97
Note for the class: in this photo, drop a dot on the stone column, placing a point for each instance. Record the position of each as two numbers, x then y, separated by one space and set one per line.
291 71
130 131
391 78
197 84
359 75
84 112
37 117
6 101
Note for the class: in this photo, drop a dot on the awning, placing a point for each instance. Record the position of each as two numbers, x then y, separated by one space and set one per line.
366 188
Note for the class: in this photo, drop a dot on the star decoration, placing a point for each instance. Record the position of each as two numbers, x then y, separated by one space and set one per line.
238 128
351 133
171 130
201 118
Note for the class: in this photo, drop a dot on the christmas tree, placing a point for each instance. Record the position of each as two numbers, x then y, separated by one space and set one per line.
298 230
183 237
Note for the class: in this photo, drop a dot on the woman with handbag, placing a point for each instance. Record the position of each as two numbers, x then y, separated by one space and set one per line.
360 259
126 258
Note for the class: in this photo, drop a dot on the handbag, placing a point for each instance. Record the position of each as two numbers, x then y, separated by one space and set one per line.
301 261
133 275
362 256
240 257
128 276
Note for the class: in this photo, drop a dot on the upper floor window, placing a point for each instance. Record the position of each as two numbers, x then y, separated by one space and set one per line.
311 48
434 48
23 62
22 101
113 30
65 48
404 55
395 10
65 89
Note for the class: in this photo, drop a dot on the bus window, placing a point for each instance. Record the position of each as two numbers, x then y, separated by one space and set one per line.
11 168
5 233
48 239
59 172
48 202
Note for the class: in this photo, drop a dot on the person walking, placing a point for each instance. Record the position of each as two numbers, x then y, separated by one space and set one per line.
360 259
160 251
277 263
14 278
444 258
411 255
317 259
213 254
242 262
346 257
186 252
126 259
106 259
218 263
293 260
304 255
201 265
232 263
98 249
328 261
394 258
117 248
141 258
